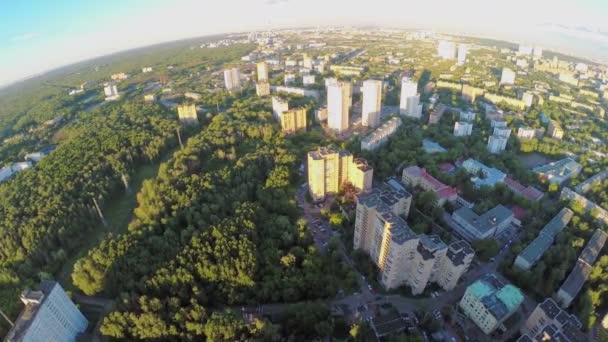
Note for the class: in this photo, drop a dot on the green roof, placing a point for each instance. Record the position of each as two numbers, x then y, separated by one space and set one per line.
511 296
480 289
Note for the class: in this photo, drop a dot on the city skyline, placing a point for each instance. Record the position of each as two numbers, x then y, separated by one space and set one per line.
67 32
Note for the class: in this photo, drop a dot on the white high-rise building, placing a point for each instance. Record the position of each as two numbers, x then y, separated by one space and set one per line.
49 315
497 144
372 103
462 129
409 104
111 92
462 53
507 77
279 106
524 50
538 51
262 72
446 50
232 79
338 105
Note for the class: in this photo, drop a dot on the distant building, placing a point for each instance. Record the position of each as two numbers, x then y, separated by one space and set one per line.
497 144
429 146
507 77
446 49
402 256
308 80
417 176
372 103
296 91
595 210
498 123
347 70
462 54
554 130
146 69
409 104
530 193
150 97
262 70
568 78
289 79
193 96
49 315
489 301
470 93
550 323
463 129
232 79
467 116
474 227
560 171
329 169
591 181
526 133
119 77
524 50
279 105
293 120
537 52
535 250
436 114
483 175
582 269
262 89
528 99
187 114
338 105
381 135
111 92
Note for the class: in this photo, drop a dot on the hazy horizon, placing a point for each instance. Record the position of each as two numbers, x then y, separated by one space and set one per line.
67 32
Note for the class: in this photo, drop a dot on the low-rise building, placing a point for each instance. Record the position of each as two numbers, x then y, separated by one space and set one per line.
187 114
474 227
483 175
591 207
297 91
380 135
49 315
550 323
489 302
308 80
535 250
150 97
417 176
560 171
431 147
582 269
591 181
526 133
528 192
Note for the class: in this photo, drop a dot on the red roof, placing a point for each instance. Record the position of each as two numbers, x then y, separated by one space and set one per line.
446 167
442 190
519 212
530 193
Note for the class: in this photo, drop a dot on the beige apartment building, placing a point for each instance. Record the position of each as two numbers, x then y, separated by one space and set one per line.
402 256
187 114
262 89
293 120
329 169
262 68
554 130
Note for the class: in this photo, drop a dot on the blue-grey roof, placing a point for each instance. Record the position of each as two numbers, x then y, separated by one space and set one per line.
535 250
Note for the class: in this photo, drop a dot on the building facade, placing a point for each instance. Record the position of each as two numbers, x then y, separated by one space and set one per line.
417 176
381 135
497 144
507 77
490 224
262 89
293 120
232 79
409 102
372 103
329 169
49 315
463 129
262 69
550 323
446 49
554 130
279 105
338 105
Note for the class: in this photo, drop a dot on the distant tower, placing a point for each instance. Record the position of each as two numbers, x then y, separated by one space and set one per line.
232 79
262 72
410 99
462 53
372 103
446 50
338 105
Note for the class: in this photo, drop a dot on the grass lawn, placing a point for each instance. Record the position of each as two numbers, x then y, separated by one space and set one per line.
118 212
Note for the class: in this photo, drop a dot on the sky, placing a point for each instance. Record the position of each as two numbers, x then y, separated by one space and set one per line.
38 35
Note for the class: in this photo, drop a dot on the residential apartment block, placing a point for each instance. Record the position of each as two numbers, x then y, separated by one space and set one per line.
507 76
497 144
463 129
262 89
550 323
535 250
293 120
436 114
479 227
49 315
381 135
403 257
329 169
582 269
262 69
591 207
489 302
338 105
232 79
526 133
554 130
409 103
560 171
372 103
279 105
